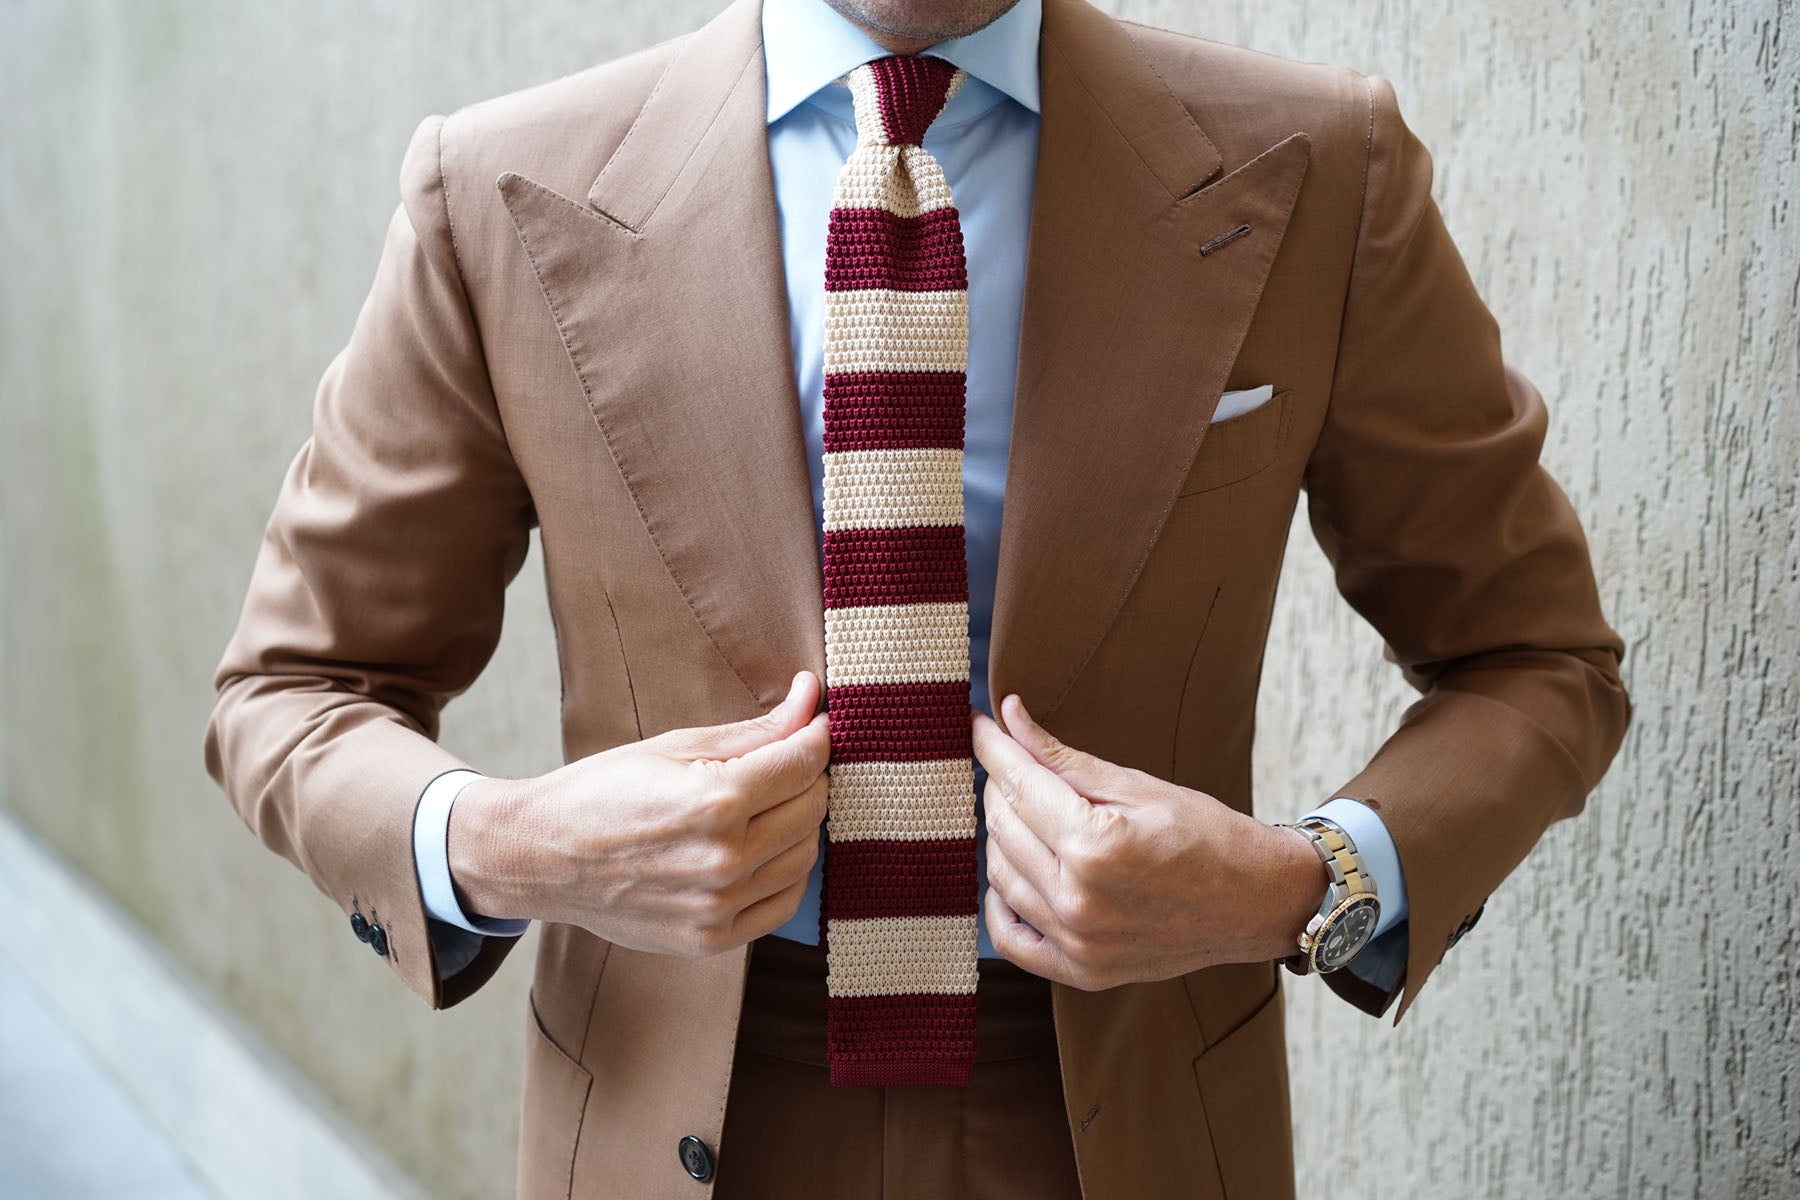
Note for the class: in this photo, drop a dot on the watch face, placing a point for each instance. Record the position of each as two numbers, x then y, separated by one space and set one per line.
1346 931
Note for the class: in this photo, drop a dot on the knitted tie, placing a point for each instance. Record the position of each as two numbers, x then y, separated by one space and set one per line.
898 903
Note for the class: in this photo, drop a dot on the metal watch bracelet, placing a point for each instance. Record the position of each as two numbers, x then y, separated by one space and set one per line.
1346 919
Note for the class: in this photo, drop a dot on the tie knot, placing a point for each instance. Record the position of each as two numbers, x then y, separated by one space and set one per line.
898 97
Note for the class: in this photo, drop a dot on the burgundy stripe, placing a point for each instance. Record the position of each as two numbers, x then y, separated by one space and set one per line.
905 1039
912 91
875 248
955 1069
899 722
915 564
895 410
927 878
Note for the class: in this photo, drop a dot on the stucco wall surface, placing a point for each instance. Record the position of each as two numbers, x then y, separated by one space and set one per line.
192 197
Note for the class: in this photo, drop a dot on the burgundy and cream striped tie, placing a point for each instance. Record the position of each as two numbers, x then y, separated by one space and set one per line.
898 904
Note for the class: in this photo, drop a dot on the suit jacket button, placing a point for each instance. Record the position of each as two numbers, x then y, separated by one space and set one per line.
378 940
1456 935
359 925
696 1159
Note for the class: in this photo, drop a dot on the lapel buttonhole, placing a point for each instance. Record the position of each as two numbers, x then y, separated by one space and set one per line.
1224 239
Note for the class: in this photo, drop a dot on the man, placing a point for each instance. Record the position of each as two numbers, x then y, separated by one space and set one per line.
1199 280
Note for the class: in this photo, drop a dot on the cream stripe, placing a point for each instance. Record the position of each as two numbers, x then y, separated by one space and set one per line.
892 956
905 180
878 329
892 489
865 96
957 79
897 643
901 801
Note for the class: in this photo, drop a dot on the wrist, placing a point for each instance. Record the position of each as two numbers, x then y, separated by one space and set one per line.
482 850
1296 888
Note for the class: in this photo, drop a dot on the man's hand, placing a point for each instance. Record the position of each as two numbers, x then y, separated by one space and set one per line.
691 842
1125 877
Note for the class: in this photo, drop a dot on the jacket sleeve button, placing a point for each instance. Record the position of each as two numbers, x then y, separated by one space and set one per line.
696 1159
378 940
359 925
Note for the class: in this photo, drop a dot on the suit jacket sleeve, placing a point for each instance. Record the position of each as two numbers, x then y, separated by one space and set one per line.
377 591
1445 533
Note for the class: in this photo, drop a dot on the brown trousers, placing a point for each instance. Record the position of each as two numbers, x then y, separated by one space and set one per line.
790 1133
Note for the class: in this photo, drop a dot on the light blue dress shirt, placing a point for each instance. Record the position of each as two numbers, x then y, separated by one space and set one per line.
986 141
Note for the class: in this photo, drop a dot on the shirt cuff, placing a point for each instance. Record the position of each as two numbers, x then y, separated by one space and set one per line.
431 858
1381 961
1368 833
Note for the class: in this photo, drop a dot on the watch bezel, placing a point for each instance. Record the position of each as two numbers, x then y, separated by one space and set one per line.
1324 925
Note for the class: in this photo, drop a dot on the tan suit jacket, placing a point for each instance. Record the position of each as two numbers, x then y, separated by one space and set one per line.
579 324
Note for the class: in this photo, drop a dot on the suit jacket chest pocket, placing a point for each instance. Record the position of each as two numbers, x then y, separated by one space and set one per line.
1238 447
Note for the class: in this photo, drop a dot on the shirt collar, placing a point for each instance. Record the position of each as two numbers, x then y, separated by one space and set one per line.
807 44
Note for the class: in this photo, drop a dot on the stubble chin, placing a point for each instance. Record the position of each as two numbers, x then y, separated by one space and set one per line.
927 21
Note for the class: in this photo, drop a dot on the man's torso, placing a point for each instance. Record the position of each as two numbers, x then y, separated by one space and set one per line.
625 275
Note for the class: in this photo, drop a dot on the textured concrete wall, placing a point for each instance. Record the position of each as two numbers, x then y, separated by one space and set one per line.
192 198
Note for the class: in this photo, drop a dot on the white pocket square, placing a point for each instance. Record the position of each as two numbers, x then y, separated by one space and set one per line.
1236 404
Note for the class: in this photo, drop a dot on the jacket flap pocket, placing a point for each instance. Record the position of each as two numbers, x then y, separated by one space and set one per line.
1244 1087
556 1094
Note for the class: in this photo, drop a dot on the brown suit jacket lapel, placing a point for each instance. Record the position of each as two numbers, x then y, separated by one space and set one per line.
666 284
1128 336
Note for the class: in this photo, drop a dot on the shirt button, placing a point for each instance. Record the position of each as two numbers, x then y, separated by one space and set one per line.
696 1159
359 925
378 940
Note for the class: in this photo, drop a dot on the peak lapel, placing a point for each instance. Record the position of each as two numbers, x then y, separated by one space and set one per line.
667 286
1129 333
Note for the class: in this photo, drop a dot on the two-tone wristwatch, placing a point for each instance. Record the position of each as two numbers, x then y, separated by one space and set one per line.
1346 919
